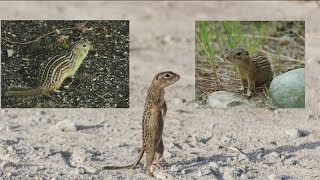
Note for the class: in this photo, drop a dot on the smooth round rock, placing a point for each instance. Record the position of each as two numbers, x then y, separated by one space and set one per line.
288 89
223 99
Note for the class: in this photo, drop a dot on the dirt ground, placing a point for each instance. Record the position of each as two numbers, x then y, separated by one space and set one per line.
75 143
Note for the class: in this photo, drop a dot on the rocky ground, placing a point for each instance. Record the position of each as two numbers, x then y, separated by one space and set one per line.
199 143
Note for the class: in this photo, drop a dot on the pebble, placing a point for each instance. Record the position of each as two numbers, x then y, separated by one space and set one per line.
285 156
79 155
243 157
291 162
167 154
174 168
239 171
171 145
214 165
10 52
57 178
274 154
229 160
228 173
196 138
10 149
66 125
9 174
166 39
9 128
294 133
80 171
183 171
160 175
274 177
259 153
199 173
6 163
2 128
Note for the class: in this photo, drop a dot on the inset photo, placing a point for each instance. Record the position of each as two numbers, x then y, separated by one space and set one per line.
65 64
250 64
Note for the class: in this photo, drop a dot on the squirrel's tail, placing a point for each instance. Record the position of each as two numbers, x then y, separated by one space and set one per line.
131 166
31 92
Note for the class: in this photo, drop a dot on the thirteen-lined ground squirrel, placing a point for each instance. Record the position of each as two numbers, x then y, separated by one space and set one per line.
254 70
152 122
57 69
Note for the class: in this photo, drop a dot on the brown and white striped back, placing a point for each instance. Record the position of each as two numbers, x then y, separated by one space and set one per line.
55 67
260 62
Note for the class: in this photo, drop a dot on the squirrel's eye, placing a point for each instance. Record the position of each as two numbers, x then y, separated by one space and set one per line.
238 53
84 45
166 75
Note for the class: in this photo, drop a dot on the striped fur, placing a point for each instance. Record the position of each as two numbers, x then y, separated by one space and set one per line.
254 70
152 122
57 69
260 62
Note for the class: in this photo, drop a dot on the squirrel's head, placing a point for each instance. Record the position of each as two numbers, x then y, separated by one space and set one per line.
165 79
81 48
237 55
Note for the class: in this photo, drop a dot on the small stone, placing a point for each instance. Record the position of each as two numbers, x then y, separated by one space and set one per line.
229 160
174 168
9 128
243 177
239 171
171 145
80 171
259 153
243 157
199 173
196 138
285 156
274 177
10 149
294 133
6 163
160 175
166 39
2 128
9 174
228 173
214 165
66 126
57 178
10 52
167 154
183 171
291 162
274 154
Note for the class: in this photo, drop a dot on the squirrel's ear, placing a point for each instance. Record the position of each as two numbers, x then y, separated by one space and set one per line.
157 77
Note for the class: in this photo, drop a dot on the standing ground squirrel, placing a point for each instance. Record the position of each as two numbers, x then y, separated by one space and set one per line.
57 69
254 70
152 122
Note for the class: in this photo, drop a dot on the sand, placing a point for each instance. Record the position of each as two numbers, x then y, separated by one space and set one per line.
75 143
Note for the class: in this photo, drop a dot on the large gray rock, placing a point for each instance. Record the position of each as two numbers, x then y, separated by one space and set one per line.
223 99
288 89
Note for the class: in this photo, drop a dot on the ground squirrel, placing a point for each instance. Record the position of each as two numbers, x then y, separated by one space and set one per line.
57 69
254 70
152 122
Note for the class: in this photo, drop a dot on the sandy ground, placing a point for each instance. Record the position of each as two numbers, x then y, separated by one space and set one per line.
75 143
